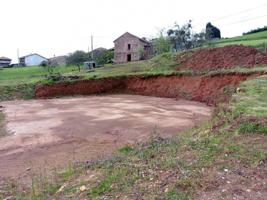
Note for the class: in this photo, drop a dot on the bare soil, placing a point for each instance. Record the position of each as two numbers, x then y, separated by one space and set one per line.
47 134
222 57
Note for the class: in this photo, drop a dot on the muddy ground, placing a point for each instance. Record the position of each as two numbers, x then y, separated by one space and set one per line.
47 134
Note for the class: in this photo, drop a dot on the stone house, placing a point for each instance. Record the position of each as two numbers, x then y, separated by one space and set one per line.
129 47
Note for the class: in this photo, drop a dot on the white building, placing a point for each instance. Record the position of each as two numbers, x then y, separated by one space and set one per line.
32 60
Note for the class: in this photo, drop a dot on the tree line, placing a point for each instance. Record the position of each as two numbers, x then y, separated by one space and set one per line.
101 56
183 37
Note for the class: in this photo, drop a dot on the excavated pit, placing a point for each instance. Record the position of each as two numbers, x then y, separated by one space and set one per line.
55 132
208 89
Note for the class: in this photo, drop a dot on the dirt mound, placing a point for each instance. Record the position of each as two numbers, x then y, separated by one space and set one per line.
210 90
222 57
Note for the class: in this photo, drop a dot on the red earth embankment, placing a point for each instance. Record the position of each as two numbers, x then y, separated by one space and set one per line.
222 57
208 89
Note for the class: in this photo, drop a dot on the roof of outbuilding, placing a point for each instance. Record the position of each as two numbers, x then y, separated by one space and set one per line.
132 36
4 58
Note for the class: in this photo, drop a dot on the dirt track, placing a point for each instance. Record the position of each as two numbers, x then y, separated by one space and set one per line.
52 133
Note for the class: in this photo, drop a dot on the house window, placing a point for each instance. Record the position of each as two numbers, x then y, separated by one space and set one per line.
129 46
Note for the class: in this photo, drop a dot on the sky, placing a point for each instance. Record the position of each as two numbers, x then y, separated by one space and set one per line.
58 27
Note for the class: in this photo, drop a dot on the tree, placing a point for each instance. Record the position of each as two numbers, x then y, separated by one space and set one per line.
212 32
198 39
162 44
105 57
77 58
181 36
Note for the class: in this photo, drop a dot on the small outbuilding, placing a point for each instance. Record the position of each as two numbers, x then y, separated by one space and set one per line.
129 47
90 65
32 60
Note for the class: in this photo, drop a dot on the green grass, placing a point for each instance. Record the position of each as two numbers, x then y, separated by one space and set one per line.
258 40
23 91
162 64
252 128
252 100
28 75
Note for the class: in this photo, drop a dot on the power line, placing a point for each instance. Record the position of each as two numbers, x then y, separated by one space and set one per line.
234 14
247 20
238 13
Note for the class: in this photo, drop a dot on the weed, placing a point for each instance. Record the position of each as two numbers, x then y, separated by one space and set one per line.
252 128
175 195
103 187
70 171
3 131
126 150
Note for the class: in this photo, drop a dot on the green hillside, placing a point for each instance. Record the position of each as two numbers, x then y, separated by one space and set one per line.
258 40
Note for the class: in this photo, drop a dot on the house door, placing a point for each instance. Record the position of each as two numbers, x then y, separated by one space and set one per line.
129 57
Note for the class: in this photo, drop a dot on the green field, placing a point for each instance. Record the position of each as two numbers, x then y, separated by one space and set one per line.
258 40
28 75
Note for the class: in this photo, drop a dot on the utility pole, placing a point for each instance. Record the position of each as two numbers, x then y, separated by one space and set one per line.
89 55
18 56
92 48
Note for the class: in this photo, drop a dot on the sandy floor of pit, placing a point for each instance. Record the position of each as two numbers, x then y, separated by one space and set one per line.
52 133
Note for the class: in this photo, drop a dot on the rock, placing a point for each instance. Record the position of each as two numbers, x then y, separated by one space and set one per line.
28 169
61 188
225 170
83 188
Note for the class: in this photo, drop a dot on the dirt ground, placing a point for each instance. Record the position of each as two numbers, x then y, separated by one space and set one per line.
47 134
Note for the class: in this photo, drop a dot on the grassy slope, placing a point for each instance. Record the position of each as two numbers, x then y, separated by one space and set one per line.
255 40
27 75
220 159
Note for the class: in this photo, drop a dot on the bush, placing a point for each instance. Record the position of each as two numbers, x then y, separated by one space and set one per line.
162 45
44 63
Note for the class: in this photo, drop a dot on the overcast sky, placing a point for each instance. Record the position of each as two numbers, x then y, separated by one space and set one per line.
58 27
